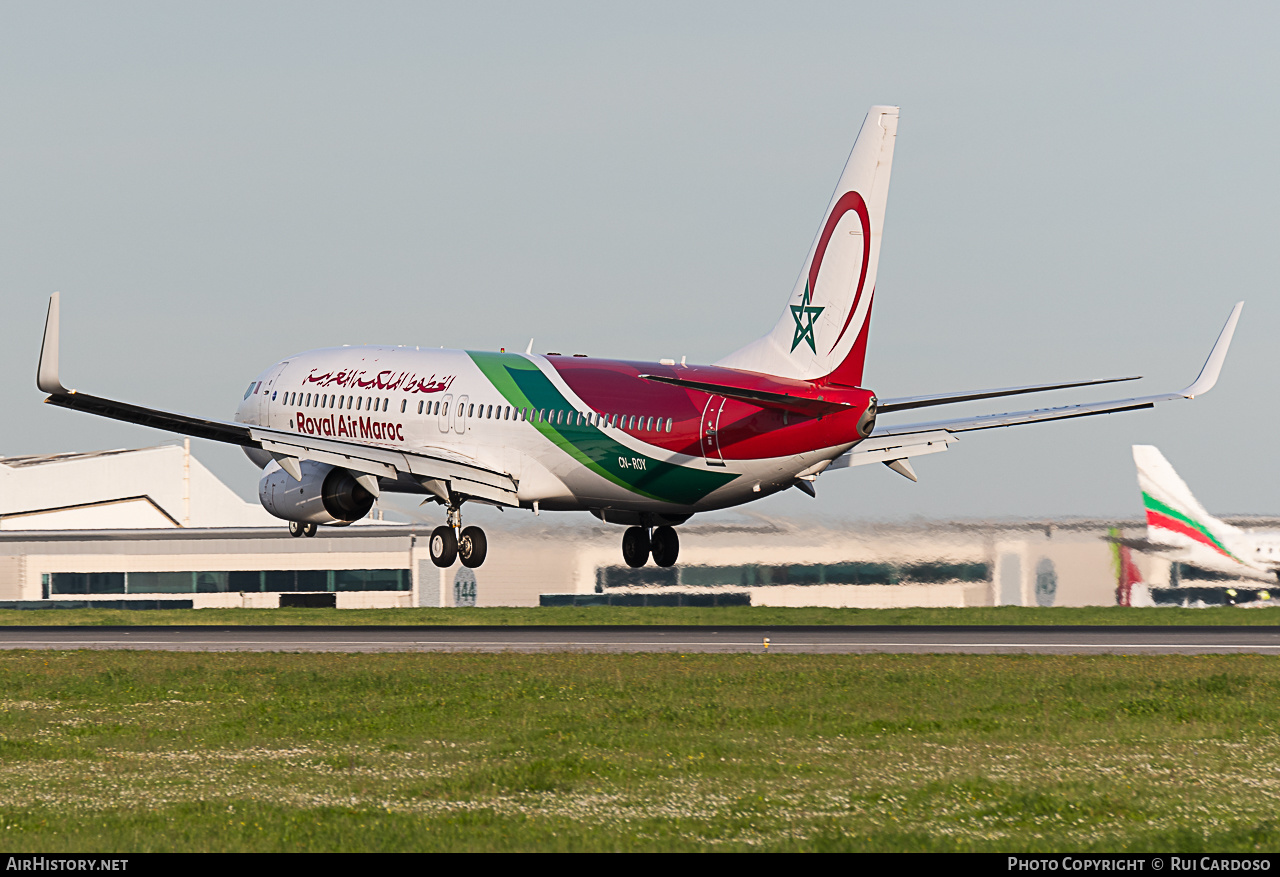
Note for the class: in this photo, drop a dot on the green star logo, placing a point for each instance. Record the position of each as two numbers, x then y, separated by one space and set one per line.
804 315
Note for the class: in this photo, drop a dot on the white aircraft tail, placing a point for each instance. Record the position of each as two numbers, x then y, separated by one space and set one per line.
1176 518
822 334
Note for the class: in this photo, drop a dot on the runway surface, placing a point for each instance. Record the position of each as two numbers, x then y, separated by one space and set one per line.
1061 640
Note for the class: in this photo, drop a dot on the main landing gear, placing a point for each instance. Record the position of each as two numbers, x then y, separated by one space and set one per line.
455 542
638 543
297 528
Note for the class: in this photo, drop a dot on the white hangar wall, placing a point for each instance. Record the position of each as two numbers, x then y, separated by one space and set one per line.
146 488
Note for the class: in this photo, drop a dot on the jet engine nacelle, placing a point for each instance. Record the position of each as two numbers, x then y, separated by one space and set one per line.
325 495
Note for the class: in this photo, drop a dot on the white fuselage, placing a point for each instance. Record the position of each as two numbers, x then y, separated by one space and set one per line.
565 454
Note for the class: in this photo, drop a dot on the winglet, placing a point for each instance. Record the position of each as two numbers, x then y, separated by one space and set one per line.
1213 365
47 372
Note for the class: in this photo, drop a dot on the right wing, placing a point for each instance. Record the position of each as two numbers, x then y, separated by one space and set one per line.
906 402
438 471
891 444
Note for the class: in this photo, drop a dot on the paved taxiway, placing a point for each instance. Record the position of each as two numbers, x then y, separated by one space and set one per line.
785 640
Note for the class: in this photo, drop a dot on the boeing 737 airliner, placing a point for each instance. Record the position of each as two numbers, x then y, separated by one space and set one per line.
645 445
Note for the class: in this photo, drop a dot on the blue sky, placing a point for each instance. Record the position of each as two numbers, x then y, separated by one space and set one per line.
1079 191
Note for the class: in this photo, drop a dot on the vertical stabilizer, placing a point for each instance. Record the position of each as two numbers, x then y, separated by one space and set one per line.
822 333
1175 517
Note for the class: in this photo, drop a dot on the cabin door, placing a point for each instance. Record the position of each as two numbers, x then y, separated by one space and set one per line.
711 431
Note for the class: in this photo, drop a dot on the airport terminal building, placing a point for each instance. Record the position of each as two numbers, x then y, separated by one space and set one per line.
153 526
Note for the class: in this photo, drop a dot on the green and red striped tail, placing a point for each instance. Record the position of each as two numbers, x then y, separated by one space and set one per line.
1161 516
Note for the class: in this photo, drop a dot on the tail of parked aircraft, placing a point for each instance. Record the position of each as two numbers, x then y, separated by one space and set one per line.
1175 518
1128 576
822 334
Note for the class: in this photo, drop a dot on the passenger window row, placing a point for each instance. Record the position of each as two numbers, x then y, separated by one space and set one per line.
325 400
558 417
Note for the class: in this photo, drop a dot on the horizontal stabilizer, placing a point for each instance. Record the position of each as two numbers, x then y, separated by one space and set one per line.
1141 544
762 398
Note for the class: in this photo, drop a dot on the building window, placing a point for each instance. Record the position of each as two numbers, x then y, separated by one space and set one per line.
86 583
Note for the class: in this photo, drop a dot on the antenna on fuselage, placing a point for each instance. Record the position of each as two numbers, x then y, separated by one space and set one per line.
529 350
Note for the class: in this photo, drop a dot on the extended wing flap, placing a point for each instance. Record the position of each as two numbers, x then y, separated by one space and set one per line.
890 448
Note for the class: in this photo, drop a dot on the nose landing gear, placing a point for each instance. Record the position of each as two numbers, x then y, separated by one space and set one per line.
453 542
297 528
638 544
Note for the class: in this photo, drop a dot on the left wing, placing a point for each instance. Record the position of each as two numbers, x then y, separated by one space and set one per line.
438 471
891 444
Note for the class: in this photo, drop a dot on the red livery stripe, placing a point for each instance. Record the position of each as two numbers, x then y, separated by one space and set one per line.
1164 522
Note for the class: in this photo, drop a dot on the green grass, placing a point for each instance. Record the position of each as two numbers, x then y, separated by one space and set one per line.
138 751
570 615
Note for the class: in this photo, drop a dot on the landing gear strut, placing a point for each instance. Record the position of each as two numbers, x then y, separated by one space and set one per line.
453 542
297 528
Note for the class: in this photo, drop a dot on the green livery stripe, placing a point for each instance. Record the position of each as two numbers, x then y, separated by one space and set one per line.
524 385
1156 505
